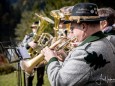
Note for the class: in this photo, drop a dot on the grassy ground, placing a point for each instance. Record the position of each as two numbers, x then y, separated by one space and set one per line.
12 80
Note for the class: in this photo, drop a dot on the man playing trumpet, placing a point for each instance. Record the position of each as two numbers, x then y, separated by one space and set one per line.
28 42
62 40
89 63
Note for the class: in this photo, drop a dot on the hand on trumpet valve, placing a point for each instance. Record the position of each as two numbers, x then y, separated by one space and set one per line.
32 44
61 55
48 53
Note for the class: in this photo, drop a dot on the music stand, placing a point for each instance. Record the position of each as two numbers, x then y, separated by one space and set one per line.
12 53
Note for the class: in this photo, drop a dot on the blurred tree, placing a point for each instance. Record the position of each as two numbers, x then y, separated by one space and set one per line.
16 18
42 7
23 27
8 20
104 3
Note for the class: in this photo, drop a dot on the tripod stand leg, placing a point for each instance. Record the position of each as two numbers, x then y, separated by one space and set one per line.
24 76
19 75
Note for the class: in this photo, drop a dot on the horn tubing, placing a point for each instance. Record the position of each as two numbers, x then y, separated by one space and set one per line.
29 65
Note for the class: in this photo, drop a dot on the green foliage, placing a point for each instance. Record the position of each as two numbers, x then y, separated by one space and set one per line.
6 68
42 7
24 27
12 79
8 19
12 23
9 79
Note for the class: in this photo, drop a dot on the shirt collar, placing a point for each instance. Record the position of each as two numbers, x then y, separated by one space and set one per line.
96 36
107 29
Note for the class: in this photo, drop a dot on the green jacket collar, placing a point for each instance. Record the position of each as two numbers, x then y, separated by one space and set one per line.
96 36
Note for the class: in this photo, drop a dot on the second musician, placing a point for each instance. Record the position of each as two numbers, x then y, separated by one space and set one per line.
29 42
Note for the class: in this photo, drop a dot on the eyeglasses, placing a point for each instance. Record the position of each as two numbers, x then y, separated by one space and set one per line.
33 27
61 21
71 29
73 25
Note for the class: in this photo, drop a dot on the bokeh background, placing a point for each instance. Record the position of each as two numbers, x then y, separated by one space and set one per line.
16 16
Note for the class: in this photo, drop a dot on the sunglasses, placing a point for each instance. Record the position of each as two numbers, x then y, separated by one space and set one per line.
33 27
61 21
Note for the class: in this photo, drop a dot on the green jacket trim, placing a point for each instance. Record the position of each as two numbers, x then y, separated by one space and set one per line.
52 60
96 36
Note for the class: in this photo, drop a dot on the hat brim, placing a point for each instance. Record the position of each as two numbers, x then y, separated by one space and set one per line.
86 20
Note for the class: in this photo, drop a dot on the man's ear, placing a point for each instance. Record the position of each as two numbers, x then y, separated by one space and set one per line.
105 23
84 27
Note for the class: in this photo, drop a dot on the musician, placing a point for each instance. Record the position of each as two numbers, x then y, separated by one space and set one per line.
92 63
67 11
107 24
29 42
28 39
63 30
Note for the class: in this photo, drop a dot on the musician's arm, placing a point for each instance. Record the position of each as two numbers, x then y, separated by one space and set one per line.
69 72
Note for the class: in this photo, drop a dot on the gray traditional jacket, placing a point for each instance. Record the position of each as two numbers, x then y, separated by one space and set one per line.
28 38
111 38
111 34
90 64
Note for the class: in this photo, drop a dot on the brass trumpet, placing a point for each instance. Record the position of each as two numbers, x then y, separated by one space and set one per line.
67 12
44 21
29 65
45 39
57 16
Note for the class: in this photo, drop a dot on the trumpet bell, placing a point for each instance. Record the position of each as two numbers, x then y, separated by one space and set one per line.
42 41
29 65
24 66
57 14
45 18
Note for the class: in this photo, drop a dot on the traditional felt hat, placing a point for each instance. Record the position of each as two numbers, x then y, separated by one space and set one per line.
35 24
84 12
66 10
56 14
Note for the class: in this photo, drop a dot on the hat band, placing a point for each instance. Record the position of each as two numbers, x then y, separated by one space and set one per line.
82 17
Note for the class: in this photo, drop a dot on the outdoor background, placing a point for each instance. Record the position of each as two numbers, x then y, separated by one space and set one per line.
16 17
